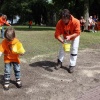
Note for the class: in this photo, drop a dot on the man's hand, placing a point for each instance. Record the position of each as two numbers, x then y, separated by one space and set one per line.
68 37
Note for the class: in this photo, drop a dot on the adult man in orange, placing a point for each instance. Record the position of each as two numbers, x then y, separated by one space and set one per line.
68 28
3 20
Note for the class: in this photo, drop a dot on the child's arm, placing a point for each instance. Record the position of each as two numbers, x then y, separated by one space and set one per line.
0 53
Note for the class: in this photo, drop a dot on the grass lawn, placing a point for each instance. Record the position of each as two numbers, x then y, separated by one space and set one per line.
90 40
41 41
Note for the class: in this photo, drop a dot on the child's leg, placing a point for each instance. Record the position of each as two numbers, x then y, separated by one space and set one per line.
16 67
2 32
7 73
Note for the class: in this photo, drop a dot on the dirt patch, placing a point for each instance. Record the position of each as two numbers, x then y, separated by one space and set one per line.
42 82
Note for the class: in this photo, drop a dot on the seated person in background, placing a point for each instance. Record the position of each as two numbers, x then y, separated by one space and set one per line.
95 20
82 23
91 24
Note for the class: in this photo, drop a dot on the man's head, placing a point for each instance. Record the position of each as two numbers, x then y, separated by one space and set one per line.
9 34
65 15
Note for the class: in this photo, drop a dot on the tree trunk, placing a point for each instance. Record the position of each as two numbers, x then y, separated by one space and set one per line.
86 13
12 19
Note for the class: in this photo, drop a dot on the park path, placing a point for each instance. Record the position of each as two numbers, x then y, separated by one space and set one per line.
42 82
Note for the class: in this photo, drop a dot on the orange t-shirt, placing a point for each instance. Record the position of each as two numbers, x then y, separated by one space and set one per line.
30 22
9 56
72 27
2 22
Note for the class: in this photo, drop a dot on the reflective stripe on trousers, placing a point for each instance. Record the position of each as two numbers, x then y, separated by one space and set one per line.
73 52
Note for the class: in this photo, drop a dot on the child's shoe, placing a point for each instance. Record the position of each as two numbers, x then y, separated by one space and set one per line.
18 83
6 85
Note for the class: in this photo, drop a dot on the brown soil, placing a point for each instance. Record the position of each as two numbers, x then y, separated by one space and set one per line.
42 82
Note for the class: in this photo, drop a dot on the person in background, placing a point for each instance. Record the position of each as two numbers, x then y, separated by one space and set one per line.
68 29
95 21
3 21
1 27
82 23
91 24
10 58
30 24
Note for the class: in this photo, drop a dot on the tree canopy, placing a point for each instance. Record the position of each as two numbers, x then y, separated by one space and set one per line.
42 10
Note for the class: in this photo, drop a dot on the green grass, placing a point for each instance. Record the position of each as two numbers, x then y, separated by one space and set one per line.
41 42
34 28
38 42
90 40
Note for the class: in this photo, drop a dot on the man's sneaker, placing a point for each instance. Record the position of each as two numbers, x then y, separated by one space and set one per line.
59 64
18 83
71 69
6 85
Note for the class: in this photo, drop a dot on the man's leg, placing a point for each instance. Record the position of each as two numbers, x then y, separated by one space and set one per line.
60 58
73 53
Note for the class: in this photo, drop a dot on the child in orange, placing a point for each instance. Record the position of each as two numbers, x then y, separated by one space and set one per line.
30 24
10 58
68 29
3 20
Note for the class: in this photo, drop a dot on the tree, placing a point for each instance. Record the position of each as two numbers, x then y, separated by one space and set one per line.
78 7
10 9
86 12
39 12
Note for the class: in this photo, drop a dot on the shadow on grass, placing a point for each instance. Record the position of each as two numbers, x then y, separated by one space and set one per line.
35 28
47 65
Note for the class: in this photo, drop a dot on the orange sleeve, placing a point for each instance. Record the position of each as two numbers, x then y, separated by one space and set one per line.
58 31
2 22
1 48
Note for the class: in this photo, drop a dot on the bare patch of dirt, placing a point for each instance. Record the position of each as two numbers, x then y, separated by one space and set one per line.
42 82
